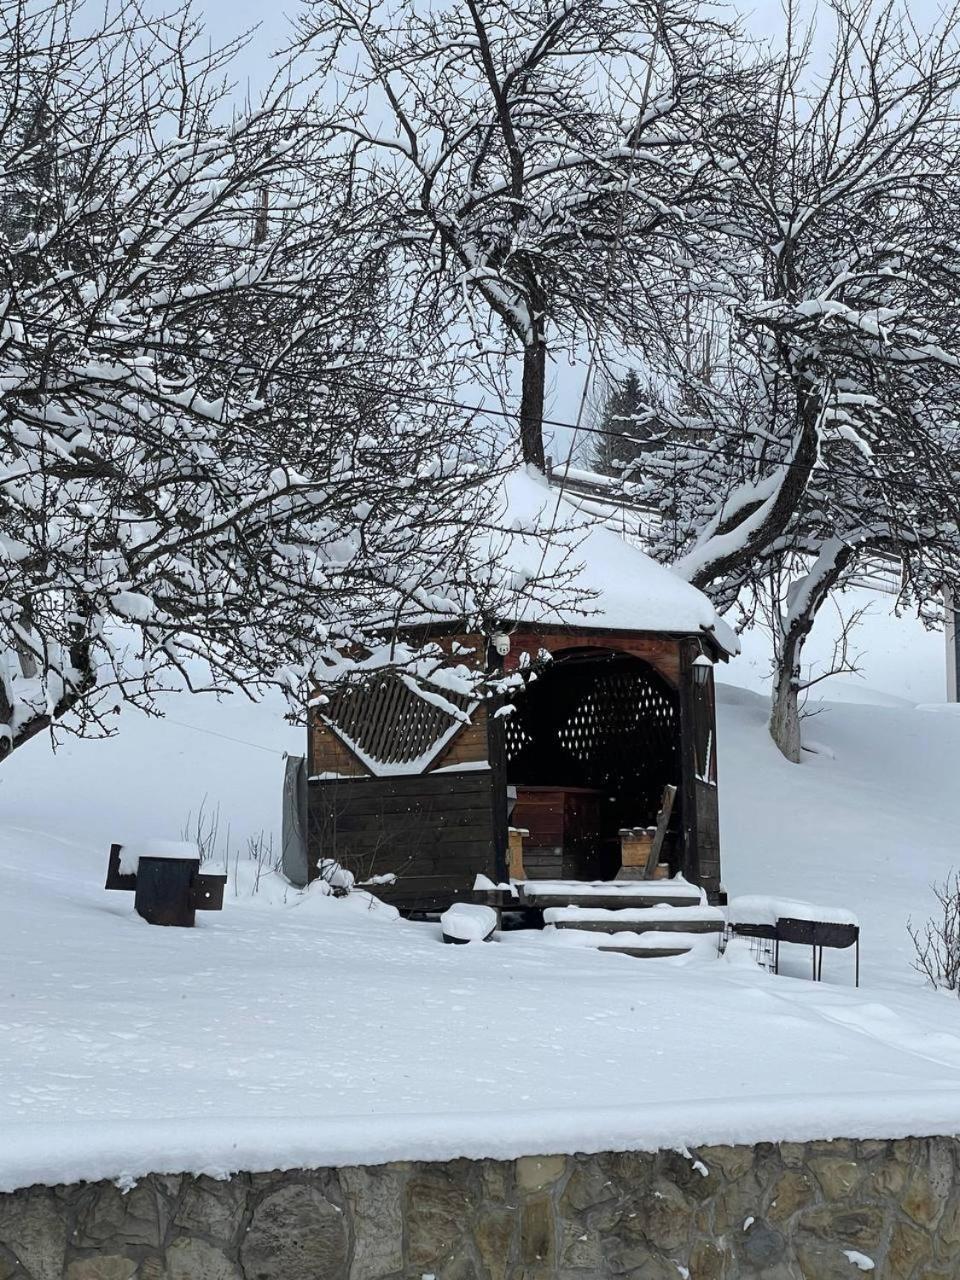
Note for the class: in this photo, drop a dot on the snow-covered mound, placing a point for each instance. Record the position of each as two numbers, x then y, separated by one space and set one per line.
314 1029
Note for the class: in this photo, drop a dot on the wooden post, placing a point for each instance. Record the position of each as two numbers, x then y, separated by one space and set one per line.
700 860
515 839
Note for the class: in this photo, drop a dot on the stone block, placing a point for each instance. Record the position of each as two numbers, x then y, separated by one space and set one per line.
839 1178
737 1201
844 1226
105 1266
580 1248
33 1228
921 1200
189 1258
827 1262
493 1235
537 1233
710 1260
212 1207
886 1178
731 1162
794 1153
437 1210
111 1217
948 1230
793 1190
638 1262
760 1245
295 1233
533 1173
587 1187
869 1148
909 1248
629 1171
496 1184
375 1200
660 1216
686 1172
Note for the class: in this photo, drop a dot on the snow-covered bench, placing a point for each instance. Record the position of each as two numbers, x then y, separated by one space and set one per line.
790 920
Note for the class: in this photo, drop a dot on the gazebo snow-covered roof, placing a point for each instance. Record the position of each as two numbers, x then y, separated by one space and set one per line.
605 582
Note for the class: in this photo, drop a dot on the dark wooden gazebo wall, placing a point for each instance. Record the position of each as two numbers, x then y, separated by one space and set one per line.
437 827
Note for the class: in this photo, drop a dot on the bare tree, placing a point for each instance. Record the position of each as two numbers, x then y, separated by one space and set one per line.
937 946
211 467
828 428
540 166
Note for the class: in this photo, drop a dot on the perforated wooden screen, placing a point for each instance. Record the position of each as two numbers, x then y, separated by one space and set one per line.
610 723
390 726
621 708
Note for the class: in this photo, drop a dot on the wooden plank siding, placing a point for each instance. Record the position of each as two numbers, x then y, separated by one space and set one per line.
469 746
329 755
661 652
435 832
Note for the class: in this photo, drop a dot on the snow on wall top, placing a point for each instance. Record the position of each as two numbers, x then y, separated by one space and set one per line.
130 854
601 579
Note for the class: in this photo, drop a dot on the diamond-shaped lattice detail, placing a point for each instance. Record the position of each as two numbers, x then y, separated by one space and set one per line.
388 722
612 724
620 706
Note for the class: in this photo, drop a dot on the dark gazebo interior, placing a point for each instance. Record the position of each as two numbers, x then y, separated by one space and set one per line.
593 740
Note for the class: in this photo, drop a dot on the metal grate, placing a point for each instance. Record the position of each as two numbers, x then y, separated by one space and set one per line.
390 724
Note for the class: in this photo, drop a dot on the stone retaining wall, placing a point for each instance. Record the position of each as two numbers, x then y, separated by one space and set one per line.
819 1211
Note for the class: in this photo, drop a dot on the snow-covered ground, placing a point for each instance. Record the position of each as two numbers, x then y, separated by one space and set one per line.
299 1029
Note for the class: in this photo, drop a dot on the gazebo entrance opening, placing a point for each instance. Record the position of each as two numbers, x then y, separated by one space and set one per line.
593 741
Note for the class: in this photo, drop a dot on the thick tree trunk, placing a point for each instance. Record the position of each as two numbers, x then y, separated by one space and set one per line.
785 710
806 596
532 394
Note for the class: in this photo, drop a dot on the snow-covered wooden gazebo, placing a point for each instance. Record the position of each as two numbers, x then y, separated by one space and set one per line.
610 702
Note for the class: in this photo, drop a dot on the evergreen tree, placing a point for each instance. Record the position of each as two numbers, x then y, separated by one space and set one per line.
623 420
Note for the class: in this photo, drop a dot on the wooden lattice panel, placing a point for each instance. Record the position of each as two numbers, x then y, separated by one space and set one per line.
389 725
620 706
611 723
514 735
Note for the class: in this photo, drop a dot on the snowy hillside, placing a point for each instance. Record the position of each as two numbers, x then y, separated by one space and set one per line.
301 1029
867 822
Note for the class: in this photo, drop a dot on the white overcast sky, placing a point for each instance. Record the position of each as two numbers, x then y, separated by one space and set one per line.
227 18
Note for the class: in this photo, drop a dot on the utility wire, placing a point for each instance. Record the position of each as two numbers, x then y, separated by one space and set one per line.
513 415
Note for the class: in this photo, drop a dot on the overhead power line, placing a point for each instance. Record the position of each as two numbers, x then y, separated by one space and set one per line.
473 410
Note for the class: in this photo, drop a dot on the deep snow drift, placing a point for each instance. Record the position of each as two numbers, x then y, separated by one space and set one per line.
299 1029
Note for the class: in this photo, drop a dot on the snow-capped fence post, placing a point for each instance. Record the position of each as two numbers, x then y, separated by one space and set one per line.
165 877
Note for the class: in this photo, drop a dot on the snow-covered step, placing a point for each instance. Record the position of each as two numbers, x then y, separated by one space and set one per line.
650 945
611 894
658 946
699 919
